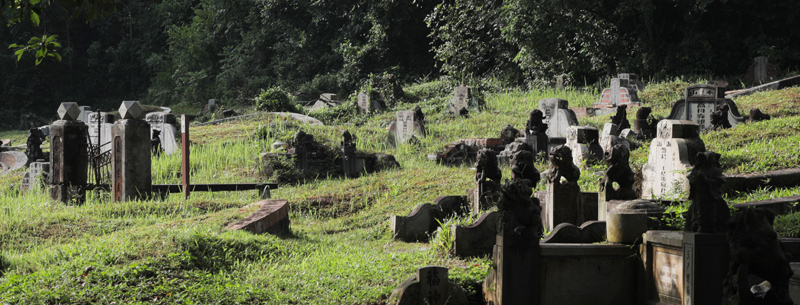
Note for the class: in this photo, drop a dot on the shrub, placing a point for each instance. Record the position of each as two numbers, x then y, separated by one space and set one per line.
276 100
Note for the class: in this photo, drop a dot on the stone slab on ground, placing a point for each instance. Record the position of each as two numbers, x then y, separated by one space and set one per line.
271 217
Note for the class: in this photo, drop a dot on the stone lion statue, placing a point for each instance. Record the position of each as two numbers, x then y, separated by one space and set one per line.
618 171
708 212
522 167
756 250
486 166
561 165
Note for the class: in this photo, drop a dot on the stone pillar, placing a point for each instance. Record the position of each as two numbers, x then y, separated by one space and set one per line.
563 204
519 283
130 154
705 263
69 155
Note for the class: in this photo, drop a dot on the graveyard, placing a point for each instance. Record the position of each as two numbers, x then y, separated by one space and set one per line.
339 246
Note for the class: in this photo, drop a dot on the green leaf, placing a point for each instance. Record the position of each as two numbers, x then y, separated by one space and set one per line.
38 61
49 38
13 45
33 2
40 53
19 53
35 18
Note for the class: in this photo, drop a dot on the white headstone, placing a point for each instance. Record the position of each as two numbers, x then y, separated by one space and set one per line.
609 129
669 160
557 116
405 126
99 133
584 143
85 111
363 102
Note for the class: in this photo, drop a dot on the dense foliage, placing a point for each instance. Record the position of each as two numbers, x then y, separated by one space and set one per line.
188 51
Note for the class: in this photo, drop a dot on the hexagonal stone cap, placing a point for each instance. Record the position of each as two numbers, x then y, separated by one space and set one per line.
69 111
131 110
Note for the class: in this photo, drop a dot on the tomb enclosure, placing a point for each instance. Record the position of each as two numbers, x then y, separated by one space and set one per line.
698 104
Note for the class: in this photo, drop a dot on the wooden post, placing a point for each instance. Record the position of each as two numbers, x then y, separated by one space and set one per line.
185 155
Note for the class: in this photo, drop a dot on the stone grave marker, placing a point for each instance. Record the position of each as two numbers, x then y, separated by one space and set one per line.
164 123
36 171
461 97
700 102
363 102
405 127
100 130
271 217
85 111
476 239
584 143
557 116
431 286
671 156
622 90
761 69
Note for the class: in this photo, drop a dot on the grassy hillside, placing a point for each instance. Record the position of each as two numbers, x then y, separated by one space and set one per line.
341 251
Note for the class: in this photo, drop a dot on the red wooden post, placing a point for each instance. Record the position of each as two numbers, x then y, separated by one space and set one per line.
185 155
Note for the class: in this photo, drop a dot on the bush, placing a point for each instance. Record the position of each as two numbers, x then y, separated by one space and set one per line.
276 100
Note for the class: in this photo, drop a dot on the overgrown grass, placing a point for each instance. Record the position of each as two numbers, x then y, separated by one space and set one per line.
340 250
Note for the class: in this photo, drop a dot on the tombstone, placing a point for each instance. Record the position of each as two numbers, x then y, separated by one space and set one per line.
69 156
623 90
164 123
761 71
363 102
663 258
514 277
461 97
326 100
431 286
609 130
37 172
426 218
271 217
699 102
584 143
84 116
557 116
100 130
211 106
477 239
351 165
130 154
672 154
405 127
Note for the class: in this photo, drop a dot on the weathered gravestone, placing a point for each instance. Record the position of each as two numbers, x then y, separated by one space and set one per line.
584 144
271 217
13 160
85 112
406 127
477 239
351 165
37 172
623 90
100 130
557 116
700 102
431 286
165 124
130 154
426 218
68 155
326 100
463 101
672 153
364 102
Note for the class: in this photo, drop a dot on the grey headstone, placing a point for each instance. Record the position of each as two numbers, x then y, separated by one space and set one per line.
431 286
415 226
461 97
585 144
405 126
364 102
557 116
761 69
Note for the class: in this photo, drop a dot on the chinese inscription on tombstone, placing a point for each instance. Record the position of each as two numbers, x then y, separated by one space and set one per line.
363 102
405 126
671 155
